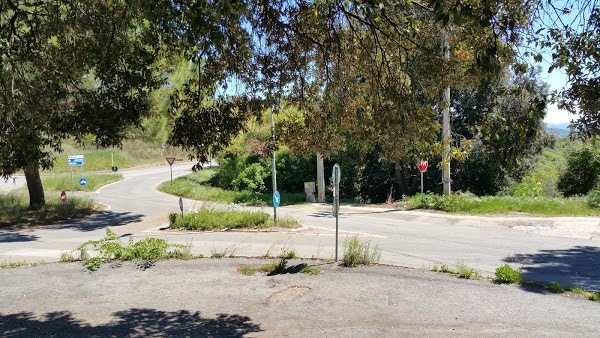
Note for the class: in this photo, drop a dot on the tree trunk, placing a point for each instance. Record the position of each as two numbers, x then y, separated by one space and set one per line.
406 184
34 185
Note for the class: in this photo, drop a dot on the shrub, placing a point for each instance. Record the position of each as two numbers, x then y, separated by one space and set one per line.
210 219
593 199
507 275
529 187
581 175
357 253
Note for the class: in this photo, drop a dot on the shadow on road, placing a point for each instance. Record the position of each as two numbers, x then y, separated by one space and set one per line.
576 267
102 220
133 322
10 237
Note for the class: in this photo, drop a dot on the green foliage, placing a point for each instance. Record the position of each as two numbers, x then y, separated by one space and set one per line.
252 177
593 199
556 288
15 210
217 219
288 254
502 204
529 187
310 270
358 253
581 175
466 272
507 275
248 270
197 186
110 248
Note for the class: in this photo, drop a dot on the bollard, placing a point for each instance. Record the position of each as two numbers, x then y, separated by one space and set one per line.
63 197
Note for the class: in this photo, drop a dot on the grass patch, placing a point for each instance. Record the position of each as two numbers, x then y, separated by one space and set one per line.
218 219
358 253
14 209
310 270
8 264
507 275
197 186
248 270
62 181
110 248
464 203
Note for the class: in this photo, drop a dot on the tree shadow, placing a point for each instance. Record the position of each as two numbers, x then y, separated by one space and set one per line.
102 220
575 267
132 322
11 237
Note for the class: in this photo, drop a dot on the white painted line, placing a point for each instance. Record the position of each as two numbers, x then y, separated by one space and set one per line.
119 181
350 232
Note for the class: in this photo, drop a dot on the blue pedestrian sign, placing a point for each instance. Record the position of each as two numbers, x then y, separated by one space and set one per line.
276 198
83 182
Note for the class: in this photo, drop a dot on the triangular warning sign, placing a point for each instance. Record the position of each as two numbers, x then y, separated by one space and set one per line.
171 160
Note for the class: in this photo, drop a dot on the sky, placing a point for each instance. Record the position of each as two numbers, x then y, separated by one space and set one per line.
557 80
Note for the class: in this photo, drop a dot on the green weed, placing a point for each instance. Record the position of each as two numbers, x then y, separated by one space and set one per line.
357 253
446 269
288 254
248 270
466 272
556 288
507 275
310 270
110 248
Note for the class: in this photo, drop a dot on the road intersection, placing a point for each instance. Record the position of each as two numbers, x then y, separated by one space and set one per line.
564 250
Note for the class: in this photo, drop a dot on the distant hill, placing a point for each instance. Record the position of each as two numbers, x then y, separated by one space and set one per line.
561 130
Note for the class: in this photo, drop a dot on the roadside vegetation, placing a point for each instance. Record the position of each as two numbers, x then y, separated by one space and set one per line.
208 218
110 248
543 206
279 268
14 210
64 181
201 186
360 253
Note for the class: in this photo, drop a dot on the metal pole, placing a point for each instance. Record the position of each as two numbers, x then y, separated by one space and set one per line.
320 179
421 182
446 125
336 229
274 169
171 166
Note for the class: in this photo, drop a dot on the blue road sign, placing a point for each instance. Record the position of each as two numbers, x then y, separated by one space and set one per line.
83 182
75 160
276 198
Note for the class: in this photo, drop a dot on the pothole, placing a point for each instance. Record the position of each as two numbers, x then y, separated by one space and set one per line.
289 294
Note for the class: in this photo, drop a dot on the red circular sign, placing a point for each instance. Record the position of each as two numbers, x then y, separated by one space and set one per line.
423 166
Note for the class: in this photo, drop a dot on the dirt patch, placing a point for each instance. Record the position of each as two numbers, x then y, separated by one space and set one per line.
289 294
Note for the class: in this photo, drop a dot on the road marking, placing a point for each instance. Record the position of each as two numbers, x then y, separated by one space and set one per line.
108 185
350 232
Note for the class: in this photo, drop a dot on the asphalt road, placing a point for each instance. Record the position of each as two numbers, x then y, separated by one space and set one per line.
564 250
210 298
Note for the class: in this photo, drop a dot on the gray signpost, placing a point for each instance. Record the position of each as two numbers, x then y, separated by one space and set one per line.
336 176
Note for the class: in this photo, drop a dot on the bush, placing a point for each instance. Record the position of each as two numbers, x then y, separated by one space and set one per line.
593 199
251 178
357 253
581 175
507 275
529 187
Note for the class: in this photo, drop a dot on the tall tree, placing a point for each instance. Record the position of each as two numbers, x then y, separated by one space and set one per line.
69 69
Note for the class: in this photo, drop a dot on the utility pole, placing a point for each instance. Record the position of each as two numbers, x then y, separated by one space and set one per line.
320 179
274 169
446 133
